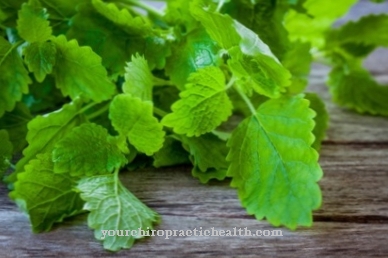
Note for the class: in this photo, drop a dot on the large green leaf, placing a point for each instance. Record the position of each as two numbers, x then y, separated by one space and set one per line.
320 15
87 150
273 165
45 196
79 72
369 30
14 77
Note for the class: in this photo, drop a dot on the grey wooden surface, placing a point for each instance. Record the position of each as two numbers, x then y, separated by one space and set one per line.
353 220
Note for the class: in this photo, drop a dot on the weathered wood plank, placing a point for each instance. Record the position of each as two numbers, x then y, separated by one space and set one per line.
323 240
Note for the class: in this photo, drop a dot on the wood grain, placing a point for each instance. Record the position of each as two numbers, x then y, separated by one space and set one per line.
353 220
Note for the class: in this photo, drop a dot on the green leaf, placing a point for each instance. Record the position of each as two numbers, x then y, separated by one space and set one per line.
195 51
14 77
62 10
33 25
203 106
15 122
122 18
217 25
178 13
252 62
109 41
79 72
171 154
298 61
87 150
260 73
113 207
207 151
310 26
134 119
46 197
6 150
40 58
273 165
369 30
115 44
265 18
45 131
321 119
356 89
211 173
138 79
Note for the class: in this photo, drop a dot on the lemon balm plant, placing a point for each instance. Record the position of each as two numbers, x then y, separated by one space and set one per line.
89 88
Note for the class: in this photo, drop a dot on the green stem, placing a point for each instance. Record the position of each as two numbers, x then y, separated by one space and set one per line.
245 98
145 7
230 83
117 181
87 107
99 112
12 166
160 112
220 5
161 82
14 46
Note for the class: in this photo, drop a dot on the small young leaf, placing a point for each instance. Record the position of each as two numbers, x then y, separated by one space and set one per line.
207 151
45 196
138 79
87 150
203 106
113 207
40 58
273 165
197 50
134 119
356 89
172 153
33 25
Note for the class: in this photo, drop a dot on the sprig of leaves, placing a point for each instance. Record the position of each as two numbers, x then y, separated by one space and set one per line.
91 87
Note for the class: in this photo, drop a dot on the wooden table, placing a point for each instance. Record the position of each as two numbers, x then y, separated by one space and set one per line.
353 220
